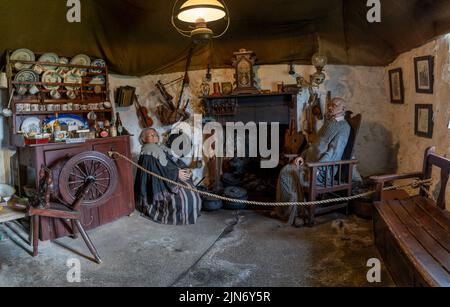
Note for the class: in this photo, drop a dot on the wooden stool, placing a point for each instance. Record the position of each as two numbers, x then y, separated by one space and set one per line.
43 207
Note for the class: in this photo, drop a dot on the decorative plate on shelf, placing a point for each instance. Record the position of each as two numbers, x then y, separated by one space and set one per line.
81 59
99 80
51 76
22 55
49 57
71 77
98 63
68 119
63 71
26 75
31 125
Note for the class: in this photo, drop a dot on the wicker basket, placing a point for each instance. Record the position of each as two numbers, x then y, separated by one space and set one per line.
169 117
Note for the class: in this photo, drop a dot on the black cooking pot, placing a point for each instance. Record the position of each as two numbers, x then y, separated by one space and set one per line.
209 203
235 193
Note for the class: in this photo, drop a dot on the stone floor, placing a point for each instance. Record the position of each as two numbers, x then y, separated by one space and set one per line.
226 248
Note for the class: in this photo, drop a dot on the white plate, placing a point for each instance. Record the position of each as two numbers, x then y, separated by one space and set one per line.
81 59
31 124
49 57
23 55
71 77
51 76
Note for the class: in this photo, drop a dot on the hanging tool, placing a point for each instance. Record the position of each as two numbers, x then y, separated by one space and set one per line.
186 76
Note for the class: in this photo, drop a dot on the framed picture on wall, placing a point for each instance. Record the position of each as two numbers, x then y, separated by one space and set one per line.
424 120
396 86
424 73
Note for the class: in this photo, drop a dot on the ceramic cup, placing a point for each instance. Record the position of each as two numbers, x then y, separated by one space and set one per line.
70 106
50 107
19 107
64 107
92 106
42 107
76 107
33 90
27 107
84 107
63 60
34 108
55 94
38 69
22 90
57 107
71 94
107 105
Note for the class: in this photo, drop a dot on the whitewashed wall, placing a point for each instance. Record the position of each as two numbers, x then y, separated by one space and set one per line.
412 147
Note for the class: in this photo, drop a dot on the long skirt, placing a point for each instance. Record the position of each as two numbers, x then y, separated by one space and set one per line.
182 208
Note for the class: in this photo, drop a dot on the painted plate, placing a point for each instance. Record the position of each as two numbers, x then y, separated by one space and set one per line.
23 55
99 80
63 71
31 124
68 119
98 63
50 58
51 76
26 75
81 59
72 77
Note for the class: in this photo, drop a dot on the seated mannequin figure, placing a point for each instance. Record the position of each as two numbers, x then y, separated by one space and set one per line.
329 147
160 201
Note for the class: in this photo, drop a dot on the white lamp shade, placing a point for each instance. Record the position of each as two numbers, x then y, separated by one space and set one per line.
207 10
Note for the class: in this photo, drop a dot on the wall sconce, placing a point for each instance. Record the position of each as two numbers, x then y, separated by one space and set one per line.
319 61
198 13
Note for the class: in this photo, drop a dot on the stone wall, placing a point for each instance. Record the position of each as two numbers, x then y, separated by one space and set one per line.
412 147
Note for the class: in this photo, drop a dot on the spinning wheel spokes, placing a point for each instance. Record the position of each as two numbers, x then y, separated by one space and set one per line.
93 167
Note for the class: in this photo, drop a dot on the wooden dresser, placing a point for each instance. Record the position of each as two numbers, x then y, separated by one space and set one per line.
54 155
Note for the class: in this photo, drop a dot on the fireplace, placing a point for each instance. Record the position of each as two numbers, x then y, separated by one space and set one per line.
246 172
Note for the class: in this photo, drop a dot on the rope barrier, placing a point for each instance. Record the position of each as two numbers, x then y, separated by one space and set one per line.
416 184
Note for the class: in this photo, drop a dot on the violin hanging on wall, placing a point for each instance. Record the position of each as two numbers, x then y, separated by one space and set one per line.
142 112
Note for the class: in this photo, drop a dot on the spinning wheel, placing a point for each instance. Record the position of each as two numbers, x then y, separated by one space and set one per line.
88 167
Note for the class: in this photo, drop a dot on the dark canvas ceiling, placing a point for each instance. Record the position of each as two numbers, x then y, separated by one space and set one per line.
136 38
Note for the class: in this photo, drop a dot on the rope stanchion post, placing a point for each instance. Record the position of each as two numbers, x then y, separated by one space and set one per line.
416 184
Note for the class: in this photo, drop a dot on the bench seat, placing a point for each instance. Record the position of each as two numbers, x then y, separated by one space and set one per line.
413 237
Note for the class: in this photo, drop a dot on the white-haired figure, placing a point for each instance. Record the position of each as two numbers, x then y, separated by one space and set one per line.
159 200
329 146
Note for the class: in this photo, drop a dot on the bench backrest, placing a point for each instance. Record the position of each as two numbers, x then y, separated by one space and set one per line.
432 159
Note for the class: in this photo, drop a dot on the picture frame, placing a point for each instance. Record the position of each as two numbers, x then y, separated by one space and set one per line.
424 120
396 87
424 74
227 88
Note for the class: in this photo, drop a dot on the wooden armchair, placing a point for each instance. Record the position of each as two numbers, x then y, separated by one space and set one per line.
342 183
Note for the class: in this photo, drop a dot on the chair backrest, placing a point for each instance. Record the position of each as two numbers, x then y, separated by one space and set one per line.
355 124
432 159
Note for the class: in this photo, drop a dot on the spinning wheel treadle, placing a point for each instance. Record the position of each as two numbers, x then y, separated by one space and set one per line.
88 166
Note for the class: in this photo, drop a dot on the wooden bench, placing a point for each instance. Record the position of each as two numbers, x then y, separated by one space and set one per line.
413 234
